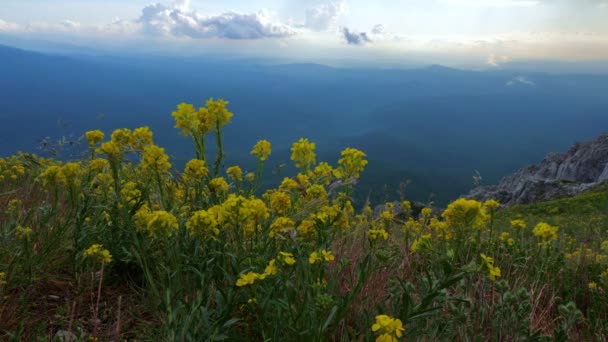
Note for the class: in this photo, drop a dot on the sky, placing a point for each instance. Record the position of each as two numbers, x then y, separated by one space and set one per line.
486 33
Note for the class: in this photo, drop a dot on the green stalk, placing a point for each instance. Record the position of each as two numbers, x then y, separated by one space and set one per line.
220 149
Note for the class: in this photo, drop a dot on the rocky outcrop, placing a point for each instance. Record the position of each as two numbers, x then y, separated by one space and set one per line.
584 166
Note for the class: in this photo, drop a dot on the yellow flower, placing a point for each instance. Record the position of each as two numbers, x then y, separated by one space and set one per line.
96 251
376 234
121 137
592 285
307 228
186 118
493 271
288 184
2 279
250 176
52 176
71 173
271 269
321 256
141 138
204 224
327 255
303 153
280 225
196 169
262 150
219 111
248 279
422 243
351 164
219 185
155 223
465 212
155 160
491 204
545 231
235 173
280 202
130 194
14 206
316 192
287 258
99 165
94 137
518 224
23 233
426 212
111 149
388 328
323 173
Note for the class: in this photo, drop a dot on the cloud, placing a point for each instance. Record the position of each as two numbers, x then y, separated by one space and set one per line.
497 60
520 80
493 3
354 38
181 4
178 21
6 26
324 16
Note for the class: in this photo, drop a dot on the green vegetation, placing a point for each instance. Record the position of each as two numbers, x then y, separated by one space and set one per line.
120 246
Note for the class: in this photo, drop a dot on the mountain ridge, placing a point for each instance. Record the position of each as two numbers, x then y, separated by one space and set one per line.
582 167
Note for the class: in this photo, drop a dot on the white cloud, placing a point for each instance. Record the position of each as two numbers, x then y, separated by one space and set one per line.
520 80
6 26
493 3
181 4
178 21
497 60
324 16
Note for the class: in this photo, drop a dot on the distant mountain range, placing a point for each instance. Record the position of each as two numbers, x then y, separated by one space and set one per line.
434 126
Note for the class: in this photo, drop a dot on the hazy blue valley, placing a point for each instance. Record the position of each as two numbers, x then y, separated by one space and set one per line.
433 126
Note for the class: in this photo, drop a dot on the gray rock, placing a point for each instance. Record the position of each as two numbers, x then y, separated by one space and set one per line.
584 166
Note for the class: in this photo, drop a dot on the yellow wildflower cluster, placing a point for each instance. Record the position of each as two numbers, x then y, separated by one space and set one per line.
351 164
204 224
94 137
465 212
155 160
506 238
493 271
250 278
195 171
303 153
389 329
286 258
377 234
545 231
219 185
158 223
130 193
321 256
141 138
280 226
262 150
97 252
23 233
518 224
280 202
235 173
191 121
